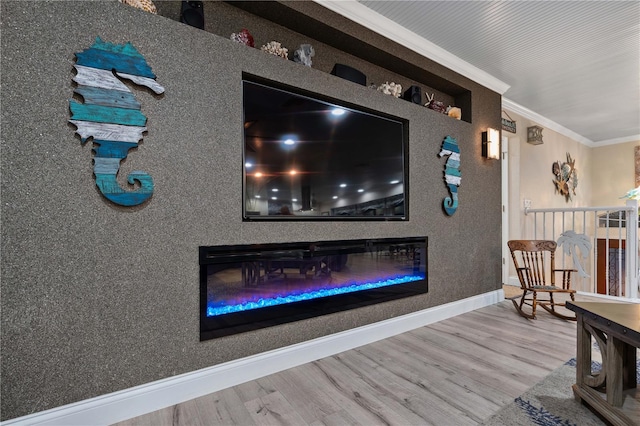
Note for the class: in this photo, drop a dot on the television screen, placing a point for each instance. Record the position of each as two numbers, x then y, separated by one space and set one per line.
308 157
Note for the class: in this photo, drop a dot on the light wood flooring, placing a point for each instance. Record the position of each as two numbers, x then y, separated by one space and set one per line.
455 372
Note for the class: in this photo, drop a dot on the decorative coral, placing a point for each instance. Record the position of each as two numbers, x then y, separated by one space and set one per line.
275 48
392 89
243 37
146 5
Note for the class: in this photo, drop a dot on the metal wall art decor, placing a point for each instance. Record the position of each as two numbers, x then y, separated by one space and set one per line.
571 244
565 177
452 174
111 114
534 135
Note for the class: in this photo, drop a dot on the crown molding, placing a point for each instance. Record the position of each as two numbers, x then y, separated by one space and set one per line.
552 125
544 121
625 139
366 17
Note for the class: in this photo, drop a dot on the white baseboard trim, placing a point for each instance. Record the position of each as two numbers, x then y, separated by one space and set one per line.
133 402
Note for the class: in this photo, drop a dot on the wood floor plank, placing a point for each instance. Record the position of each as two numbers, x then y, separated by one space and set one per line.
323 376
495 396
341 418
458 371
255 389
446 386
532 353
224 407
465 364
302 391
353 386
483 356
273 409
424 398
187 414
405 361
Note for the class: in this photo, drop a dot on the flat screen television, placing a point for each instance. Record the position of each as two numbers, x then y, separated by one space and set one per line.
308 157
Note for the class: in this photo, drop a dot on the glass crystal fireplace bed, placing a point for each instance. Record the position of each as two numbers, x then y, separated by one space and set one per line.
247 287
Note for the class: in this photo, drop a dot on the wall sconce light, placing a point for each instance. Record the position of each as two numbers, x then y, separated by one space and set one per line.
534 135
491 144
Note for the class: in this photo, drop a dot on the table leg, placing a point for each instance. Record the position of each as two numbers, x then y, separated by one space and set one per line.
583 352
614 371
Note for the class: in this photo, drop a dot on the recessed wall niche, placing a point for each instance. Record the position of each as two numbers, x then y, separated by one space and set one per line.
334 41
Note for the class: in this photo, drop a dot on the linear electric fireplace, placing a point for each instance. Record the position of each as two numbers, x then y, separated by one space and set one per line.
247 287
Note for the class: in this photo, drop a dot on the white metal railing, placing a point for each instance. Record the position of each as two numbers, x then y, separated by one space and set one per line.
601 242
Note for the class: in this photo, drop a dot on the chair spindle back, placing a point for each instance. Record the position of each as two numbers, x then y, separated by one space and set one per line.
530 257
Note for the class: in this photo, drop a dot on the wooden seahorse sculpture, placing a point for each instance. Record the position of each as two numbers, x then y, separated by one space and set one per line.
452 174
111 114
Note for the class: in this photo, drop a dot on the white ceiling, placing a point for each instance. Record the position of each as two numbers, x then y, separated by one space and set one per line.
572 66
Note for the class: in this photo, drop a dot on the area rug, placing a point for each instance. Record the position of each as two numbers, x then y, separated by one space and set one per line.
549 403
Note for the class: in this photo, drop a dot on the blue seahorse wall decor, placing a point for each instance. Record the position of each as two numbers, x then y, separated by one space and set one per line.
111 114
452 174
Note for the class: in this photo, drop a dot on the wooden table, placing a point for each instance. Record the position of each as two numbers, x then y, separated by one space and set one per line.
616 328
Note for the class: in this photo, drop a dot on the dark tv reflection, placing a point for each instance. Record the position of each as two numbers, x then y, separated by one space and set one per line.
306 157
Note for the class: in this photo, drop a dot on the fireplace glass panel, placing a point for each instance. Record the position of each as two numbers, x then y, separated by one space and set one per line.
254 286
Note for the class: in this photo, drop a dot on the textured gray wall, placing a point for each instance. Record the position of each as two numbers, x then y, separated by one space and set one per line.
98 298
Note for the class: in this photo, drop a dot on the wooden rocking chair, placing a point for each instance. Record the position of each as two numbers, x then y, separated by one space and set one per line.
530 258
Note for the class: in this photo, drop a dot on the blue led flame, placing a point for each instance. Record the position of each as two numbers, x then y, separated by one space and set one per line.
308 295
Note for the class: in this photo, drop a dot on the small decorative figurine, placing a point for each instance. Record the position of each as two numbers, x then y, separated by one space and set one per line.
243 37
304 54
454 112
435 105
275 48
392 89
